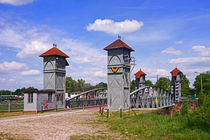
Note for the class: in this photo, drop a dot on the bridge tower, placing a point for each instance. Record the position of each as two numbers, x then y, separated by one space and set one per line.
54 62
176 84
118 66
140 79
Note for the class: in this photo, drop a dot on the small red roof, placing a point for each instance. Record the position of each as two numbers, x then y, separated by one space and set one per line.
175 71
118 44
139 73
54 51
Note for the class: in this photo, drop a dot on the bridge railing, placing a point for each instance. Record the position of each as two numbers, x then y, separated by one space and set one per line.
90 98
151 97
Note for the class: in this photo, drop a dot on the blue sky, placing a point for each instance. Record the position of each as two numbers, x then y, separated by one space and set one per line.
163 33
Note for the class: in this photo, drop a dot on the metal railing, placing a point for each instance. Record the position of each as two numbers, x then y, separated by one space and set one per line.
151 97
91 98
11 106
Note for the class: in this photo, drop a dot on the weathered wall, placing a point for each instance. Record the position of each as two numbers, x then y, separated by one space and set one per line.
119 81
30 106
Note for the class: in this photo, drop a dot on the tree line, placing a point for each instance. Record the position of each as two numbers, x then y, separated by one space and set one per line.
80 85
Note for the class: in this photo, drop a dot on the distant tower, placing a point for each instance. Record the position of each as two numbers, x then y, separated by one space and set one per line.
118 75
176 84
140 79
55 70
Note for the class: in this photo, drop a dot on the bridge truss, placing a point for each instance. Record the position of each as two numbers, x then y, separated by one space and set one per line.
90 98
144 97
151 97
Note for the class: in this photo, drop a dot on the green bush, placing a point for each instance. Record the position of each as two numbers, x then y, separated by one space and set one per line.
201 116
185 109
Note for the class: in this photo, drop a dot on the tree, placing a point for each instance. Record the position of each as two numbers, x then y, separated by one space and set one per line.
133 85
81 84
88 86
5 92
163 82
148 83
22 90
185 86
71 85
205 82
101 85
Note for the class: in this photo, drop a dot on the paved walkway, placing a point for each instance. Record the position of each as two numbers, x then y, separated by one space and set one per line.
52 126
38 116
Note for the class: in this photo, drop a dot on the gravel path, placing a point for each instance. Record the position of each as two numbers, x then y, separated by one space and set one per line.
55 126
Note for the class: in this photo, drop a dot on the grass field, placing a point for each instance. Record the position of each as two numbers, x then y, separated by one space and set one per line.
13 107
154 126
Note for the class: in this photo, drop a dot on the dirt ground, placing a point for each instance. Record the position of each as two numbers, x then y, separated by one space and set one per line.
52 127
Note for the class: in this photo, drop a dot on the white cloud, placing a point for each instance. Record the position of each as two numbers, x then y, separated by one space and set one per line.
28 40
16 2
112 27
30 72
33 48
11 37
178 42
202 50
12 66
83 53
171 50
190 60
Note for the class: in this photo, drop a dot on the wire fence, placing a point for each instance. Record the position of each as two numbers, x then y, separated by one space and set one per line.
11 106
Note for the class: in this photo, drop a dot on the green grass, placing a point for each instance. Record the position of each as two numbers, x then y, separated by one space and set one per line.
89 137
9 137
13 107
10 114
154 126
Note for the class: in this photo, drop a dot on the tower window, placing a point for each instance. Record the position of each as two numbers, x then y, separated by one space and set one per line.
30 98
49 97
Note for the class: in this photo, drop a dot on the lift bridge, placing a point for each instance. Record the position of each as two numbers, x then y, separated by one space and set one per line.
144 97
117 95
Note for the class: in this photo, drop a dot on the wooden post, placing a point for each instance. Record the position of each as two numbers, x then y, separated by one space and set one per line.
100 109
120 112
107 115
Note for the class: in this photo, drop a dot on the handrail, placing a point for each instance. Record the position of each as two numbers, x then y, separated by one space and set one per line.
147 87
87 92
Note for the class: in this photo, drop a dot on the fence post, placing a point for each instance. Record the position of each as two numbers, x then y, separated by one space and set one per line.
120 112
100 109
9 106
107 115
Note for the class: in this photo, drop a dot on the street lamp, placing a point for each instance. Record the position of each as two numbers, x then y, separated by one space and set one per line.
201 82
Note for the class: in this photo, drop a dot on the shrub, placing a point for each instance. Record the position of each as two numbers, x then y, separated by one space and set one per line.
201 116
185 109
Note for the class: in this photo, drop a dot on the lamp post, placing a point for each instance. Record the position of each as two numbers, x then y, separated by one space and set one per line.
201 82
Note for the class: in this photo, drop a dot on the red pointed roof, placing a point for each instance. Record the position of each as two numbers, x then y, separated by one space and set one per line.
118 44
139 73
54 51
175 71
